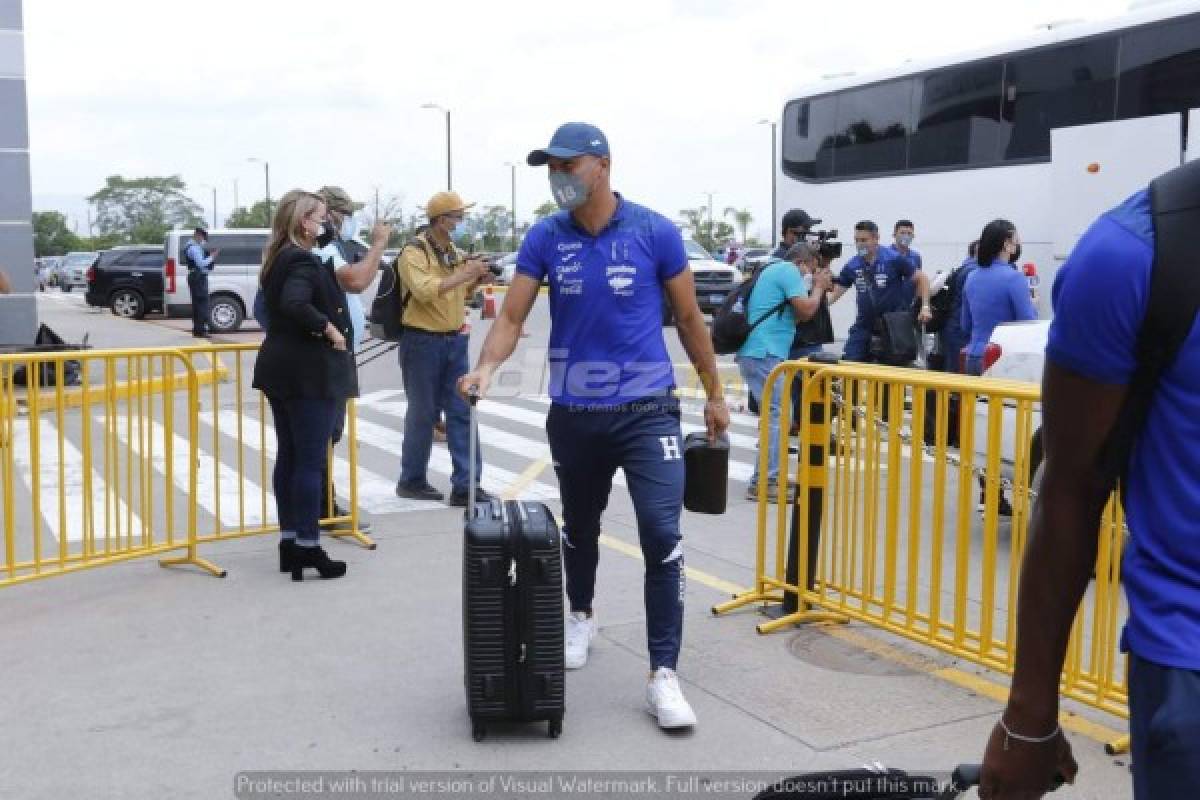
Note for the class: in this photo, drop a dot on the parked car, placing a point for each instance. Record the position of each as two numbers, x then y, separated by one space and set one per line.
752 258
128 280
504 269
714 280
232 282
73 271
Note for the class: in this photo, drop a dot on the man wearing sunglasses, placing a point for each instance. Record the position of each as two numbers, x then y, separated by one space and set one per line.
433 355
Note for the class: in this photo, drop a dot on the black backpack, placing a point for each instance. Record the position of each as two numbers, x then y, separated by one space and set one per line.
894 341
1170 312
730 326
386 320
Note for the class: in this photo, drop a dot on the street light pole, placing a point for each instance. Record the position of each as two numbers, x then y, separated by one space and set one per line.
267 177
513 167
235 196
449 174
214 206
774 210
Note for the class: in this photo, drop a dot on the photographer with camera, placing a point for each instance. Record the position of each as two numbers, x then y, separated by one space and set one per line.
794 227
433 354
790 292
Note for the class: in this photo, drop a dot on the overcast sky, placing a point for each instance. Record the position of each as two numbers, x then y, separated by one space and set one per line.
331 92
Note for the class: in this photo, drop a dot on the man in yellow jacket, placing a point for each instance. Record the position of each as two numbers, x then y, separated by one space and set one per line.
433 355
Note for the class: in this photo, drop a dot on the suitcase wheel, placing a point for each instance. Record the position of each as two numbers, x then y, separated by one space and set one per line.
554 729
478 730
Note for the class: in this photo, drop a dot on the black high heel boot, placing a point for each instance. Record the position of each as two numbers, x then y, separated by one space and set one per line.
286 548
317 558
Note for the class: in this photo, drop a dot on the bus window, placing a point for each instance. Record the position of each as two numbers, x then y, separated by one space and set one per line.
1057 87
958 116
1160 69
872 129
808 133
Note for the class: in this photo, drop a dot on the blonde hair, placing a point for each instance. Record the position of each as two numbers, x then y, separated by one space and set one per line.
294 208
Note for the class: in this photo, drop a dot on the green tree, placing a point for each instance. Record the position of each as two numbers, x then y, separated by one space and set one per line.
708 233
142 210
495 225
51 236
741 218
105 241
253 217
545 209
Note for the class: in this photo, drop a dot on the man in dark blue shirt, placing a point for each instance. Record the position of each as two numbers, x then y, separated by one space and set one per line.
1100 301
878 275
903 234
607 262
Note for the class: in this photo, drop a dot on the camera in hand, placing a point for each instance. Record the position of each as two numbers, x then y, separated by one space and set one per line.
826 243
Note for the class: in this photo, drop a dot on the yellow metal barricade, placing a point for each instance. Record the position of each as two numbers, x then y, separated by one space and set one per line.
238 450
897 522
97 457
109 455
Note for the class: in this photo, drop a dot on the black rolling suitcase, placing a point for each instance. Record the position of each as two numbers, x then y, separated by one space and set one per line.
512 613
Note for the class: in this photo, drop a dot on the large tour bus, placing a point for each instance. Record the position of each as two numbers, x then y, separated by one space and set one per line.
1047 132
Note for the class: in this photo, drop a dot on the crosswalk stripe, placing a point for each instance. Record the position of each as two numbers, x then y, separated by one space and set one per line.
494 479
525 446
72 511
207 496
376 494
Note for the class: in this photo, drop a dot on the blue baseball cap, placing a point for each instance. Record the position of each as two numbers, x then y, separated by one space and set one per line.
570 140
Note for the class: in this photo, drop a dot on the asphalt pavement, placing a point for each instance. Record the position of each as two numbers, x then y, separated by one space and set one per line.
134 681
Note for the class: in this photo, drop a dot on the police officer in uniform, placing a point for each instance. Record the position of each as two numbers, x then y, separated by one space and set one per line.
199 263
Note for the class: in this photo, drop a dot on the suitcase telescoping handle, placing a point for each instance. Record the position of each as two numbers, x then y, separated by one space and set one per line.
472 401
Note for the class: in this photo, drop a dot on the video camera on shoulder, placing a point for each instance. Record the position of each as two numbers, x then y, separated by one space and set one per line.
826 243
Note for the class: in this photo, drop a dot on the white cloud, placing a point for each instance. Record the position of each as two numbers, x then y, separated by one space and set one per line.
330 93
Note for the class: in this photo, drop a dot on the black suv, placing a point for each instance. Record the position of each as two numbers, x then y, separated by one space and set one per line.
129 280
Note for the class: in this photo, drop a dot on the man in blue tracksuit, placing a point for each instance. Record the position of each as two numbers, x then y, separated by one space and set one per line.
878 275
903 234
607 262
1101 299
199 263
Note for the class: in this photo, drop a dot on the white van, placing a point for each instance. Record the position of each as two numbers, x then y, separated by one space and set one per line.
232 282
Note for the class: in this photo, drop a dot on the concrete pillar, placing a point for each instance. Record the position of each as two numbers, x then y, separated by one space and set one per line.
18 311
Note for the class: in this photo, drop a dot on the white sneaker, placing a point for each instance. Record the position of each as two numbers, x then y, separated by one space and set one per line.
580 630
664 699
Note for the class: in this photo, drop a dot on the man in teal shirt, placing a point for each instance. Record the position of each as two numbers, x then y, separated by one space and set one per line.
787 293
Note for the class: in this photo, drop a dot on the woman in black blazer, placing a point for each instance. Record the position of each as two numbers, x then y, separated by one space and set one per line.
306 369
